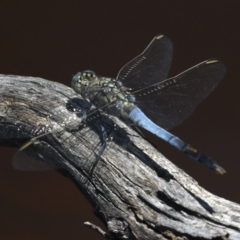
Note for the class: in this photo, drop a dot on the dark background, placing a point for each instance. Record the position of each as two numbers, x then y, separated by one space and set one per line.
54 40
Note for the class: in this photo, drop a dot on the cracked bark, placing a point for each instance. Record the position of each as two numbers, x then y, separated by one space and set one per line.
136 191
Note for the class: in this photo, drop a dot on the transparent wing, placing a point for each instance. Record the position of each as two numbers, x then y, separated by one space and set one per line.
30 159
27 159
170 102
149 67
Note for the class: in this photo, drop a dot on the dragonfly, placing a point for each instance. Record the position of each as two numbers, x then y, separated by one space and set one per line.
143 95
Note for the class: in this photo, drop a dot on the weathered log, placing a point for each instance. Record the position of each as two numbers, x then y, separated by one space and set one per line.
136 191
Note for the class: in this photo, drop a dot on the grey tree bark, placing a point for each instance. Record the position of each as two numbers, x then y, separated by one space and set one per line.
136 191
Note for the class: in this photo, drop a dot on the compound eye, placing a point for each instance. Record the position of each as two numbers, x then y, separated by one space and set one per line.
88 74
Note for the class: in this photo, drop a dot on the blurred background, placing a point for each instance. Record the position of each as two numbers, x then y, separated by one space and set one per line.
54 40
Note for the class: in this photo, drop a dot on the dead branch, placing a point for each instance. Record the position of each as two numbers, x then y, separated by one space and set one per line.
136 191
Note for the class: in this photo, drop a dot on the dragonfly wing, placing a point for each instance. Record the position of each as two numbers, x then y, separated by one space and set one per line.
149 67
92 148
24 162
170 102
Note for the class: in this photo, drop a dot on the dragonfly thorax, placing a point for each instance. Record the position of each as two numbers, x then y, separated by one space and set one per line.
106 93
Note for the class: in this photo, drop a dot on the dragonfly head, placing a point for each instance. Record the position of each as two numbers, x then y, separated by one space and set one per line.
81 80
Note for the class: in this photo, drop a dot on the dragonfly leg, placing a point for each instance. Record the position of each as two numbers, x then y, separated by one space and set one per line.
105 132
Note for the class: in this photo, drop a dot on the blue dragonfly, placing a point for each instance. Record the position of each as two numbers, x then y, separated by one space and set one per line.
142 94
